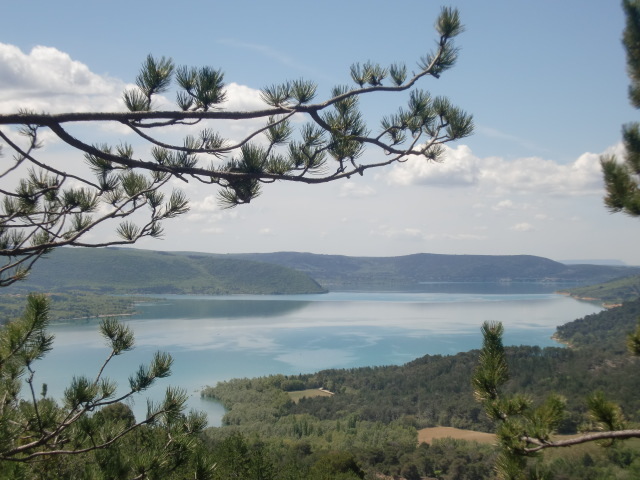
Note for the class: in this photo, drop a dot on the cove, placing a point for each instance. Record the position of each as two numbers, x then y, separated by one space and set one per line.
216 338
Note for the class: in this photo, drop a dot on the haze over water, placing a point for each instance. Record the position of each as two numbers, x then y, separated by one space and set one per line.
216 338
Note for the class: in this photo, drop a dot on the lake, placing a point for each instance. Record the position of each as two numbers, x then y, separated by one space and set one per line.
216 338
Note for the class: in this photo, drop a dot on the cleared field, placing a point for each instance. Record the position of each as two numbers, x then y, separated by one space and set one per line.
309 393
427 435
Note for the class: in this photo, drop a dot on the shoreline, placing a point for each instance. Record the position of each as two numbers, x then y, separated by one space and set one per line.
566 343
589 299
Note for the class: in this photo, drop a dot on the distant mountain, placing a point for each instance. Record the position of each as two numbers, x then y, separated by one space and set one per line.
132 271
605 261
127 270
336 271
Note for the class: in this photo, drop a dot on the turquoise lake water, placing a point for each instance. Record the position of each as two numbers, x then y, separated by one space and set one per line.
222 337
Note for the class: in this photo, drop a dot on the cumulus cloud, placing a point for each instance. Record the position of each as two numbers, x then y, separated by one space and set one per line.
460 167
495 175
207 210
537 175
241 97
47 79
206 205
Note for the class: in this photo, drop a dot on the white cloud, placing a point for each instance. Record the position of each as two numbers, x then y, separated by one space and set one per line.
214 230
460 167
207 211
47 79
503 204
537 175
241 97
510 205
522 227
497 176
356 190
420 234
206 205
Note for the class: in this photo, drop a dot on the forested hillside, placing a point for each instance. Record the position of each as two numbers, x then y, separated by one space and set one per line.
613 292
338 272
603 332
131 271
72 306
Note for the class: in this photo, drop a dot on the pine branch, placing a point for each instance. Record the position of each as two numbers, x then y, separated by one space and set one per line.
586 438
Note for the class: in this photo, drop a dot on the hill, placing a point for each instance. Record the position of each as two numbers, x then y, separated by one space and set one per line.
605 331
132 271
337 272
611 293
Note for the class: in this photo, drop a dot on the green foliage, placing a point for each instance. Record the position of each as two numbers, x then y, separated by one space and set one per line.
91 434
633 341
604 331
252 457
202 88
605 413
337 465
621 178
77 306
524 429
492 369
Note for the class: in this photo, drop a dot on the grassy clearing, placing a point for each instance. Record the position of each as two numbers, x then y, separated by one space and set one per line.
428 435
309 393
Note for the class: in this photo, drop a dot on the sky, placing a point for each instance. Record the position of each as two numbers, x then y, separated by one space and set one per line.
545 82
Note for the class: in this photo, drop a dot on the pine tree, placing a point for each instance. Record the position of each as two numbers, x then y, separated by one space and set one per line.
524 429
621 179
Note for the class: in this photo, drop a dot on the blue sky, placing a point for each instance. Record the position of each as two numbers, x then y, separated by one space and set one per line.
545 81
